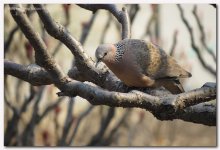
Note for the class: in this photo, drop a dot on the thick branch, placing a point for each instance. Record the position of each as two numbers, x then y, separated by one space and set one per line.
158 103
84 64
59 32
164 106
42 56
67 22
195 97
13 31
32 73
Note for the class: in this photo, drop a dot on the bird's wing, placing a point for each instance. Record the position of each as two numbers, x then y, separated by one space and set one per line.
155 63
161 65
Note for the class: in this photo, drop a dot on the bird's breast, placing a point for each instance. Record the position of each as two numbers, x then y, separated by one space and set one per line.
129 73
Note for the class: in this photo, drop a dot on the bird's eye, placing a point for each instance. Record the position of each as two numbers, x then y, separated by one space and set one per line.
105 53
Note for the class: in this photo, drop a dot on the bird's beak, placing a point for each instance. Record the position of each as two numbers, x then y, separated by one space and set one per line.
98 60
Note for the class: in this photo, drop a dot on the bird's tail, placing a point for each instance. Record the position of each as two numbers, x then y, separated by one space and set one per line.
174 86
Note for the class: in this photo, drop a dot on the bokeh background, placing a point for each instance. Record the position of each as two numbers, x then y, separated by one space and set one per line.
35 116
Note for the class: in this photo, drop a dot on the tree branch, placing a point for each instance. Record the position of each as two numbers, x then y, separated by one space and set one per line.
14 30
11 131
83 62
67 22
161 104
32 73
102 77
42 56
196 49
121 16
67 124
10 38
86 29
107 141
203 38
181 101
104 125
106 27
164 107
79 120
174 43
28 134
49 108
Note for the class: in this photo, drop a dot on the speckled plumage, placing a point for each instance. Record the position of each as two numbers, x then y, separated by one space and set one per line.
142 64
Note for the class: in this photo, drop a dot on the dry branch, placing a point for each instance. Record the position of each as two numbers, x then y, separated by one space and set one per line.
79 120
86 29
67 124
172 50
10 38
160 103
97 96
121 16
194 46
203 37
42 56
103 127
11 131
32 73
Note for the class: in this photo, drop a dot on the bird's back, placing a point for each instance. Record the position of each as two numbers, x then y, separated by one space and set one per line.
153 61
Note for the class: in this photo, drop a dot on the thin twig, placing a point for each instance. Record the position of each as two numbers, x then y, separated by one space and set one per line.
10 38
134 8
195 48
172 50
79 120
11 131
67 22
67 124
104 125
28 134
49 108
106 27
149 25
107 141
86 29
203 37
121 16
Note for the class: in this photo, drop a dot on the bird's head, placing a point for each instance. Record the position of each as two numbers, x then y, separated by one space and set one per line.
104 53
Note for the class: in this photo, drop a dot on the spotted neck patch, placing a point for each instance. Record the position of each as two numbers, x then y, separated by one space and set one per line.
119 52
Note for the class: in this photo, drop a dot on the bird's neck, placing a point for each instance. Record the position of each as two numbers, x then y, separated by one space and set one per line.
120 48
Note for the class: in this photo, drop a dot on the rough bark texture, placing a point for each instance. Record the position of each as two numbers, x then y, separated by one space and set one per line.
103 88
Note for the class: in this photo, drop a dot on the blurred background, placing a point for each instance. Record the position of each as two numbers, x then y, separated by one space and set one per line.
35 116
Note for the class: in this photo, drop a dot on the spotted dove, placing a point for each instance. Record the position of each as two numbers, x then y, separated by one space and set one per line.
142 64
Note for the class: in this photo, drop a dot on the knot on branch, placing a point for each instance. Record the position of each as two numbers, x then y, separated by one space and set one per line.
166 110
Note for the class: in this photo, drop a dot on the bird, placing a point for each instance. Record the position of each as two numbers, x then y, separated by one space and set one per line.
138 63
